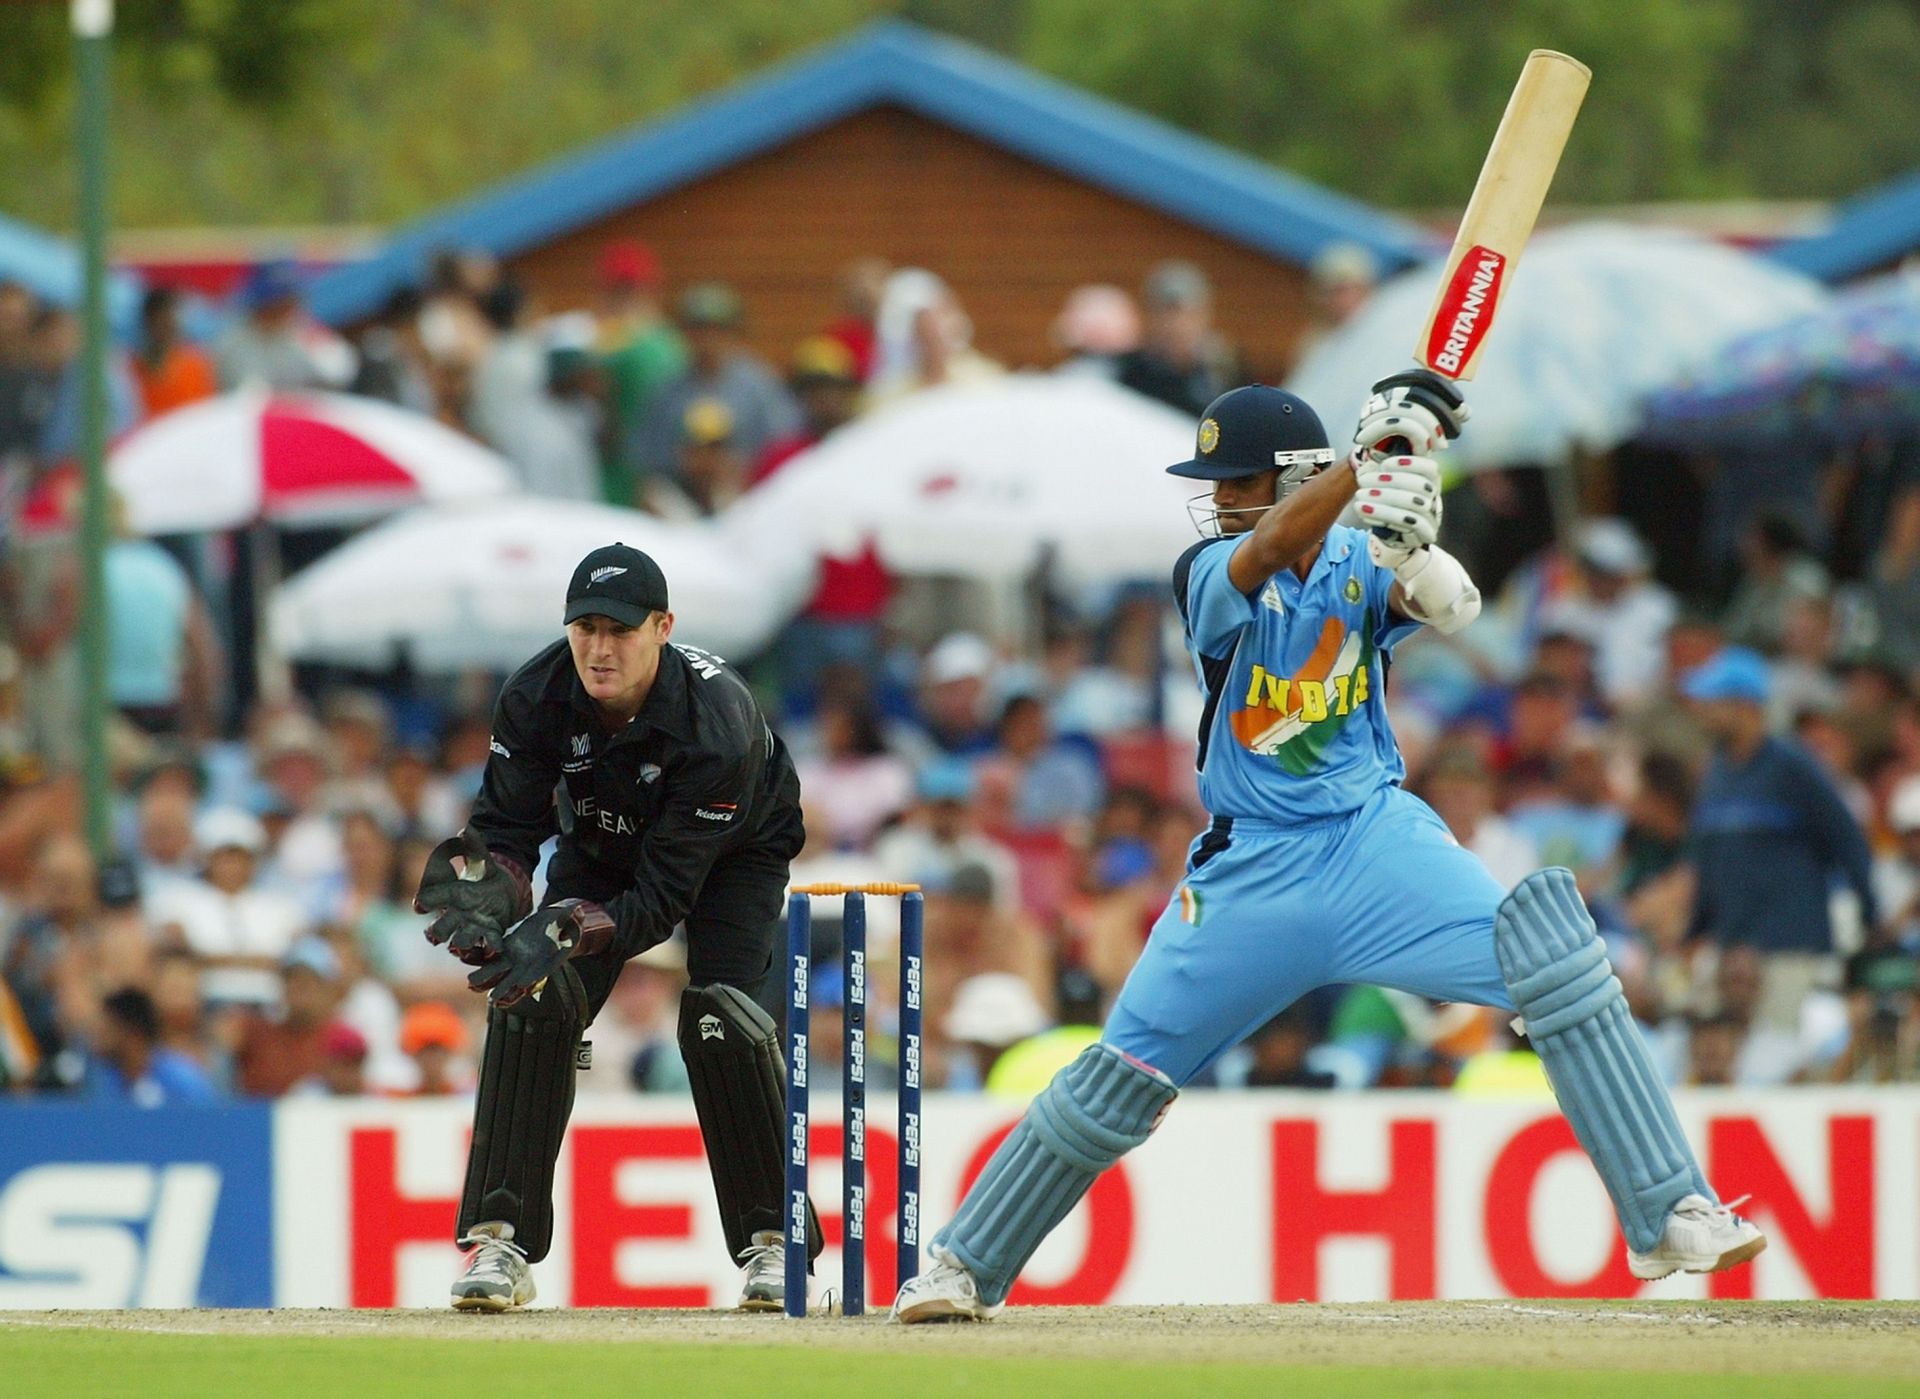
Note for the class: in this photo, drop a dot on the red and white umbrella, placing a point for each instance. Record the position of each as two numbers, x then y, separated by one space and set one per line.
297 459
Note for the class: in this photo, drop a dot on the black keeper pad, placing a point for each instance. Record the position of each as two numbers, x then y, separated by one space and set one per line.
739 1079
520 1112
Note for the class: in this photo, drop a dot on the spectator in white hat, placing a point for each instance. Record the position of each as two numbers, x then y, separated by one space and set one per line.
1619 609
239 931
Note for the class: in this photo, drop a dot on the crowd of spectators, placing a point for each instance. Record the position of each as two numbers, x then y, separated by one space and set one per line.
1733 774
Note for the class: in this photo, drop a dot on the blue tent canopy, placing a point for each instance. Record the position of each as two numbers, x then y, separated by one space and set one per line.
1872 230
49 266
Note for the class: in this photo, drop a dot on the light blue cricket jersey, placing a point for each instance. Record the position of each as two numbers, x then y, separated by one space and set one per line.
1295 725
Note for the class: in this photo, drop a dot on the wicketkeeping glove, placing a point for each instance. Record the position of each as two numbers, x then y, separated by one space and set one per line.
537 946
477 899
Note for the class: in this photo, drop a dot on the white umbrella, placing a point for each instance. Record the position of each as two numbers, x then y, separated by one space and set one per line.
311 458
1598 316
980 480
485 586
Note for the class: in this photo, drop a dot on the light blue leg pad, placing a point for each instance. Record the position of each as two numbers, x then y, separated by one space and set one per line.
1576 1016
1096 1110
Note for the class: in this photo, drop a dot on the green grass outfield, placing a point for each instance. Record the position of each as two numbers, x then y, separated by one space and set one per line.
69 1362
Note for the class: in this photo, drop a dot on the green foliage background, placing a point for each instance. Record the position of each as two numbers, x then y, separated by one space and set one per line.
372 111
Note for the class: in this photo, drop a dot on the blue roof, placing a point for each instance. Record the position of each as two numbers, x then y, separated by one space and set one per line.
1872 230
50 267
898 64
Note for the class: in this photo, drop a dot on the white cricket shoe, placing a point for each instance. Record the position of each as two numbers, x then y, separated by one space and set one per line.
1701 1237
763 1286
497 1278
945 1292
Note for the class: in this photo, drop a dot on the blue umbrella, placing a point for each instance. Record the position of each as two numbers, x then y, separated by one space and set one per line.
1852 365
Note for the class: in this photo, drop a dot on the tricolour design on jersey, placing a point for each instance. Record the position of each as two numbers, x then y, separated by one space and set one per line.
1293 718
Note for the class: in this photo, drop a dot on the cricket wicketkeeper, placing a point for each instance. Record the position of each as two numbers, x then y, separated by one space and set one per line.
674 802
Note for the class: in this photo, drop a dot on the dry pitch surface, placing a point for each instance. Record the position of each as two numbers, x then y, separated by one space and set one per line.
1634 1348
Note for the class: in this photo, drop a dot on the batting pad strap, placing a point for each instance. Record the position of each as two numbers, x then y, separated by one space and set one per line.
1576 1016
1097 1109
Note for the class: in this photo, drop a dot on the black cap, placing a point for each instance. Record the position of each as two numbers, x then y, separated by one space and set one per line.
616 581
1250 430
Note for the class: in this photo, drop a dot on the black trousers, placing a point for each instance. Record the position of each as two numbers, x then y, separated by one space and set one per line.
732 928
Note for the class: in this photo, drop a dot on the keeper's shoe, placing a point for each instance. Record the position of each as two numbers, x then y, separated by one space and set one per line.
1700 1237
763 1285
497 1278
945 1292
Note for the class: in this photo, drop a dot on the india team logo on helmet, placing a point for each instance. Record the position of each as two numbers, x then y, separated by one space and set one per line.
1209 435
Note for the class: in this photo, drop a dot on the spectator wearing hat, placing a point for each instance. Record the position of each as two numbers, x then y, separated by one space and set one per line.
279 1049
925 339
129 1065
169 369
435 1037
640 354
710 471
1098 324
273 343
1183 359
1618 608
990 1014
719 367
1770 838
238 929
951 705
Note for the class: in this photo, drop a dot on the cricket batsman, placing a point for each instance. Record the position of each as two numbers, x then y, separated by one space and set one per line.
1317 867
673 802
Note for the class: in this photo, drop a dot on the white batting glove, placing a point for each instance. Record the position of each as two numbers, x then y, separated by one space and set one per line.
1399 499
1416 408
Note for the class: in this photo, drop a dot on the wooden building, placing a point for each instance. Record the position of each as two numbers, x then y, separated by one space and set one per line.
926 152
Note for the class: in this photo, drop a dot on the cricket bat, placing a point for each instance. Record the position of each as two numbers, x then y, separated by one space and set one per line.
1499 218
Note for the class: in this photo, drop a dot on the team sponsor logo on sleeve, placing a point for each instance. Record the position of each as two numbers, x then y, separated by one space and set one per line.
717 811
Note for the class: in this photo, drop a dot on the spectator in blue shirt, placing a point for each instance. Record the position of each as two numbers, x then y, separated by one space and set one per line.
129 1067
1770 837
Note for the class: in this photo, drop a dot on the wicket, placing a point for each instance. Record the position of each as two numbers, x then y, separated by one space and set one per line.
853 1251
